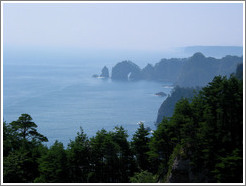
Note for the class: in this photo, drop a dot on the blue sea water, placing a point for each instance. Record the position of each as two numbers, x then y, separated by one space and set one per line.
62 97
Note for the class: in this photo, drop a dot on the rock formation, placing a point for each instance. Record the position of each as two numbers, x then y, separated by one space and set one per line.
148 72
180 171
126 71
162 94
196 70
105 72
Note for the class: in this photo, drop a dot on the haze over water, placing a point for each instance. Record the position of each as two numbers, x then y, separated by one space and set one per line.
48 59
61 96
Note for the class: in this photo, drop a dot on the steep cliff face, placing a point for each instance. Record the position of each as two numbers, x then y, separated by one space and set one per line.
180 172
167 107
126 71
228 64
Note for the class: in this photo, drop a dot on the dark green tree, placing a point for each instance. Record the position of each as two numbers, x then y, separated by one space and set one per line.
9 141
78 154
208 129
112 158
140 145
143 177
103 158
223 114
161 146
25 129
53 165
15 168
126 161
22 147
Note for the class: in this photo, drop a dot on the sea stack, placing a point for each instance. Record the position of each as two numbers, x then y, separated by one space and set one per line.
105 72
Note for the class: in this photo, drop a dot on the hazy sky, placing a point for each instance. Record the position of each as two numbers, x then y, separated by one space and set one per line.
122 26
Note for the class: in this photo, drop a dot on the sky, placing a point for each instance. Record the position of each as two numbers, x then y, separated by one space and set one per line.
122 26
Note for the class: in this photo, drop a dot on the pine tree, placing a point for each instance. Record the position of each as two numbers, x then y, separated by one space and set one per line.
140 144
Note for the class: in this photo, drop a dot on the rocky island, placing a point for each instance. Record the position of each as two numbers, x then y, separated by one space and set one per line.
161 94
184 72
105 72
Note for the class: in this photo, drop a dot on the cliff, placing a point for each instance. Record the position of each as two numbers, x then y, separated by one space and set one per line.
167 107
196 70
182 171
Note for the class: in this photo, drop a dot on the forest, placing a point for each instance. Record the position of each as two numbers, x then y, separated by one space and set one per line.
203 138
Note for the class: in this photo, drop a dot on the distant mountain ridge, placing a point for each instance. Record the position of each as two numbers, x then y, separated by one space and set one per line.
193 71
199 70
214 51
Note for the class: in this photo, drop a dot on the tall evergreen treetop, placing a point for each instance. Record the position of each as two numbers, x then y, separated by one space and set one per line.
25 129
140 143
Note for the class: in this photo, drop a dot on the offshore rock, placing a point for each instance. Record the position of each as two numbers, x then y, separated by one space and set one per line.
126 71
105 72
95 76
161 94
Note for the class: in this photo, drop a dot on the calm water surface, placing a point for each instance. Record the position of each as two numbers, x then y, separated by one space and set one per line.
63 98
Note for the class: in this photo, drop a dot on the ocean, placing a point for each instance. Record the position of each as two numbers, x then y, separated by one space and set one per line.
61 96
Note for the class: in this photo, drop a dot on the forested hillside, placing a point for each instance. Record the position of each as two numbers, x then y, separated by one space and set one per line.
204 136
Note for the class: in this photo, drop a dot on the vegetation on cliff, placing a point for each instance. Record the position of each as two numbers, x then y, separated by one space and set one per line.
209 130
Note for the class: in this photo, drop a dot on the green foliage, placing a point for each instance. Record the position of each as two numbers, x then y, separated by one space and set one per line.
22 148
143 177
103 150
25 129
125 155
161 146
223 115
9 140
210 130
140 145
112 158
78 155
229 168
53 165
16 168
